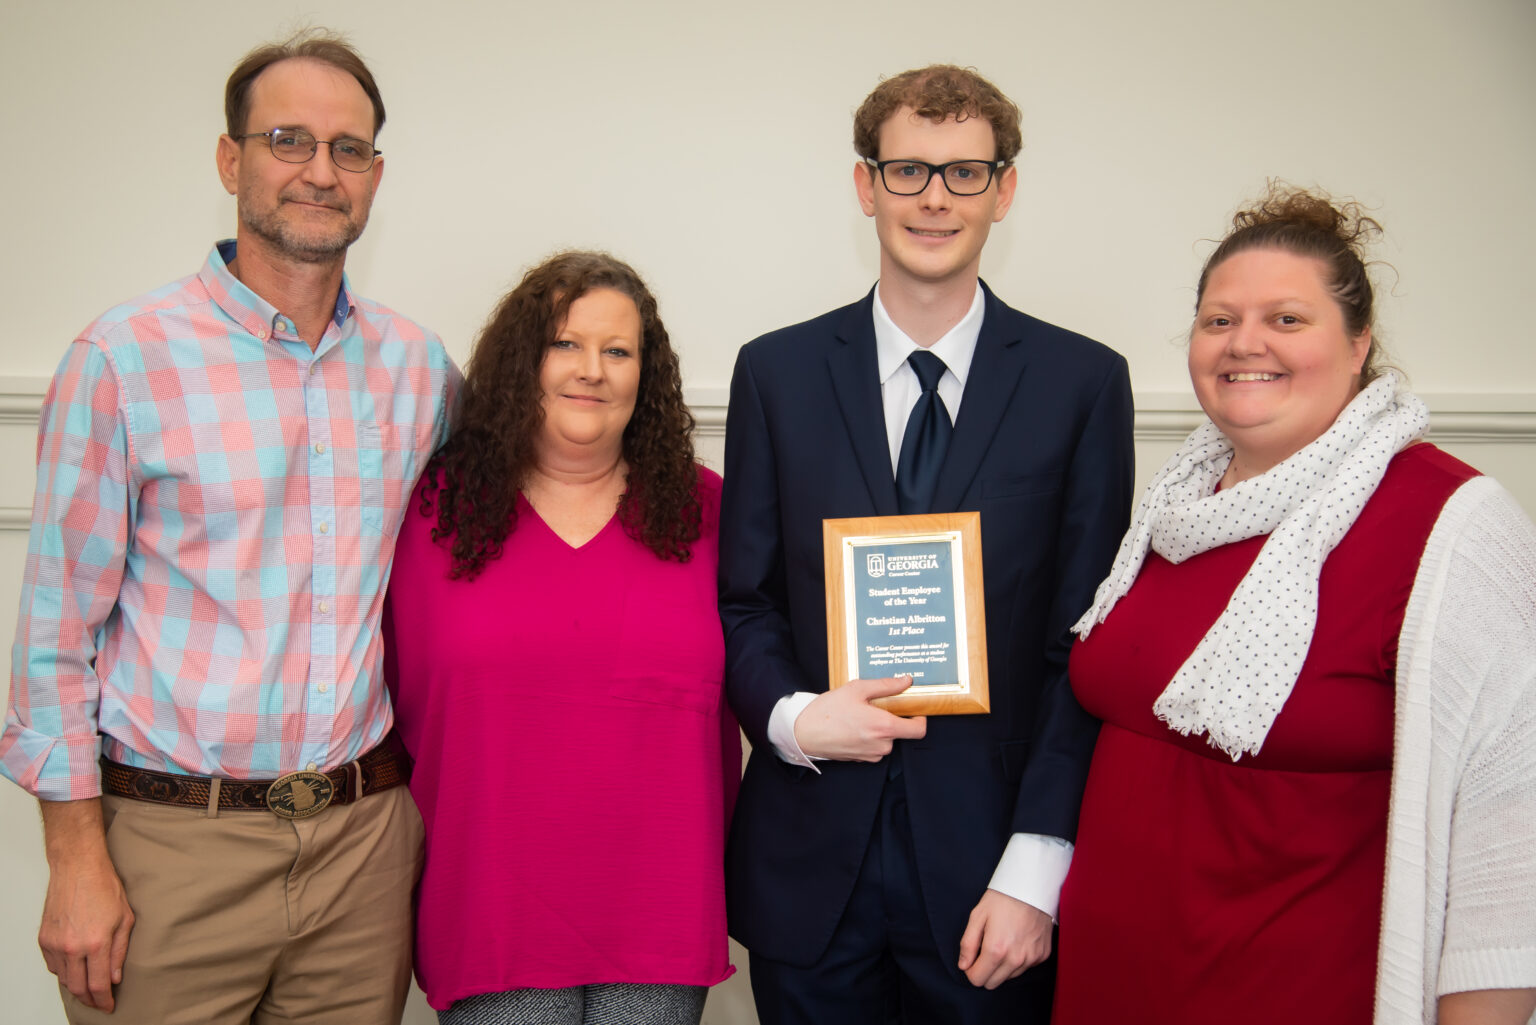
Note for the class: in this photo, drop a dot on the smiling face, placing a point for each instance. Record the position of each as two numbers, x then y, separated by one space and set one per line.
590 377
309 212
1269 357
933 237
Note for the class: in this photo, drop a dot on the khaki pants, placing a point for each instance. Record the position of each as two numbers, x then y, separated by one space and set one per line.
246 917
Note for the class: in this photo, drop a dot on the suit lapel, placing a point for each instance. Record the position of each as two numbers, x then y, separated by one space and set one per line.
998 363
856 379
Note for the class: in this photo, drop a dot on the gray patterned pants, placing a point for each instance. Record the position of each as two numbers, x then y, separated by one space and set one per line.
615 1003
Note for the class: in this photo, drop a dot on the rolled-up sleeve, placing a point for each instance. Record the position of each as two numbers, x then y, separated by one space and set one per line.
75 556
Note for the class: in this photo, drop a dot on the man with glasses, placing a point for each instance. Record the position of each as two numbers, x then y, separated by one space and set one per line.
883 868
196 693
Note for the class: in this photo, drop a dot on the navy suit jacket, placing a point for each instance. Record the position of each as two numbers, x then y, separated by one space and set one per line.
1042 448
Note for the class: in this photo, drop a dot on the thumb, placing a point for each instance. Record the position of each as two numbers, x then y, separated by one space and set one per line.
119 952
970 943
884 687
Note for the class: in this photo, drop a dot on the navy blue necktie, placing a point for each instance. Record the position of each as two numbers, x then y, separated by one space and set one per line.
926 440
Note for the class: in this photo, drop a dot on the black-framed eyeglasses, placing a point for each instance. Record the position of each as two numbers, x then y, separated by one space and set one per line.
961 177
296 146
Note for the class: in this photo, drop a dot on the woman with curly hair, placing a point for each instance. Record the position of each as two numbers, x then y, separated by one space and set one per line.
1313 794
555 654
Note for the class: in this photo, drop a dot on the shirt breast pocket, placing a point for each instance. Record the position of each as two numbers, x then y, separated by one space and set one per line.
384 463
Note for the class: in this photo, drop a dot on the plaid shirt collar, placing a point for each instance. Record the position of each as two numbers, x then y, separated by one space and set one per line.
243 306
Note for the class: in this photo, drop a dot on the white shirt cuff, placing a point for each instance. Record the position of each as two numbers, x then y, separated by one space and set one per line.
781 729
1032 869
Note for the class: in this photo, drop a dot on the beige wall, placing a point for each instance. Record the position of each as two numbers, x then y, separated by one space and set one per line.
709 145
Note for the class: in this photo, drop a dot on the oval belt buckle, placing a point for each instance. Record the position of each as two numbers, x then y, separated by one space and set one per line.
299 795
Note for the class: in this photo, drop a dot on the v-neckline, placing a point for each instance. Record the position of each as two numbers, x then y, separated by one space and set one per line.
605 528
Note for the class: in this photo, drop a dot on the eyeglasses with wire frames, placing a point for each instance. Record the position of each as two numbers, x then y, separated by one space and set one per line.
296 146
960 177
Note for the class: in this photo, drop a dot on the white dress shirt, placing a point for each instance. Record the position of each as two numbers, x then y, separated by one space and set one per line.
1033 866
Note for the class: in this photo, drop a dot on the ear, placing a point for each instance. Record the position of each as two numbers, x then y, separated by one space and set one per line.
377 170
1359 348
1007 182
864 185
227 158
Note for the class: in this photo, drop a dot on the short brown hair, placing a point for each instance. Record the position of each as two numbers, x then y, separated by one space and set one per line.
312 44
1311 223
937 92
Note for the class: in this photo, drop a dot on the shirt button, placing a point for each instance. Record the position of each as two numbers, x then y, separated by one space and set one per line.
320 448
261 333
325 606
323 688
325 528
311 767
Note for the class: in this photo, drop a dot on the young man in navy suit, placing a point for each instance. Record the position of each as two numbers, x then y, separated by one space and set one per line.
885 869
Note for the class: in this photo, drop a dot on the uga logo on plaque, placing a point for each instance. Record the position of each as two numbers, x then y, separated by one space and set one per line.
874 562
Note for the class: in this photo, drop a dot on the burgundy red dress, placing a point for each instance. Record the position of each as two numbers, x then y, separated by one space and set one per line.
1204 890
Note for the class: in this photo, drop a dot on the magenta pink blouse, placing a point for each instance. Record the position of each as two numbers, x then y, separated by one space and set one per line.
575 762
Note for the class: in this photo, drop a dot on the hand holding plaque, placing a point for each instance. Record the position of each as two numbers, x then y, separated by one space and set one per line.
905 598
846 724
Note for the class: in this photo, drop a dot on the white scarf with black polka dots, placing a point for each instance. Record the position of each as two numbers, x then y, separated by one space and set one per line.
1242 671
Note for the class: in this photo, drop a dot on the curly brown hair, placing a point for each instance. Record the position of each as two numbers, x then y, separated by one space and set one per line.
937 92
1311 223
473 480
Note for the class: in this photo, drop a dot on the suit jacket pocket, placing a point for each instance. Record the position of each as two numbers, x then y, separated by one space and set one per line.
1013 754
1020 485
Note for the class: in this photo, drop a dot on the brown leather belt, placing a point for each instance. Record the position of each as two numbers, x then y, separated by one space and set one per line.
297 795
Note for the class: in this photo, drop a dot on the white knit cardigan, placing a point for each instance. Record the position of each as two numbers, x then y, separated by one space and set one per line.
1460 901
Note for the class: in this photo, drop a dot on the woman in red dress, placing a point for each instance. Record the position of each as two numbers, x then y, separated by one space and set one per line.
1315 659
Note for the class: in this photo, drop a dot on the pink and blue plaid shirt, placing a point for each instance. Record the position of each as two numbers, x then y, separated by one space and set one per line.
212 533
